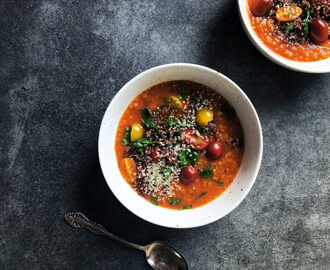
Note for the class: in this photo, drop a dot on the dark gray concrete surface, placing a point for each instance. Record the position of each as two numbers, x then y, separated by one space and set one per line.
61 62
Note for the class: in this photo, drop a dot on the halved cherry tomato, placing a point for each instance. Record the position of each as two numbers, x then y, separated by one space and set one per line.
259 8
129 168
288 13
319 30
197 143
154 156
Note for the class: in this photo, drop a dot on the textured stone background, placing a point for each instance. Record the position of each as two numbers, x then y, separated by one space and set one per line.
61 62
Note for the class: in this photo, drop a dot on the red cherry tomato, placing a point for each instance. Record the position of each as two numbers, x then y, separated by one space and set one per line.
259 8
214 150
197 143
154 156
319 30
188 174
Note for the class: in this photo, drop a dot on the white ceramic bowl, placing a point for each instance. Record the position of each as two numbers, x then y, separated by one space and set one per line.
322 66
244 179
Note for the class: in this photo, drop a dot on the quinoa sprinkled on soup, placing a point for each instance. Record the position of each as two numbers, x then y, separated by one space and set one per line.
179 144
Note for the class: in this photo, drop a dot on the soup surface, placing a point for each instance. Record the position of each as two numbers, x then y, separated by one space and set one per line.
179 144
295 29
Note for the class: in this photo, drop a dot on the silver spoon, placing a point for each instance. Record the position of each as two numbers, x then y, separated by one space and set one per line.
159 255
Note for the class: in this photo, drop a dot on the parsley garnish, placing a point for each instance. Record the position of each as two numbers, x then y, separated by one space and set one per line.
188 157
147 119
289 26
171 122
198 133
290 14
203 128
202 194
305 21
165 171
182 93
206 172
127 139
174 201
142 143
177 133
154 200
185 207
220 183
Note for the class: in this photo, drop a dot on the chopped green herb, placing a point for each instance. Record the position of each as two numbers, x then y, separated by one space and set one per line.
202 128
177 133
142 143
182 93
174 201
207 171
220 183
198 133
147 119
185 207
188 157
289 26
171 123
165 171
202 194
290 14
305 21
127 139
154 200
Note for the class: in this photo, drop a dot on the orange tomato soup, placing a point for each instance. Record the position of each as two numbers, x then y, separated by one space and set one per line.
264 28
226 129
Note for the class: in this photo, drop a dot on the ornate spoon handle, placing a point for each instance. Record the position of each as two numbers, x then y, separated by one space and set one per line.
78 220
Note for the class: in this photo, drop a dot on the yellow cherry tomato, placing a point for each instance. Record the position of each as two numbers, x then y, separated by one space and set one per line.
204 116
175 102
129 168
288 13
136 132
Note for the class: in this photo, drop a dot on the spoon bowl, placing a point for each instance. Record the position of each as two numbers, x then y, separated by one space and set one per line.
163 257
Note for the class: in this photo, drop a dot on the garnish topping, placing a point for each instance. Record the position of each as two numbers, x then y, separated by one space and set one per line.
289 26
147 118
182 93
188 157
171 123
185 207
207 171
174 201
202 194
208 174
127 139
305 21
142 143
165 171
218 182
154 200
